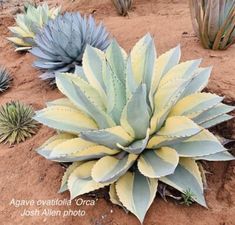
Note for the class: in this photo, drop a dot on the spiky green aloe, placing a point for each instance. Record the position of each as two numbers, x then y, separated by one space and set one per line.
131 120
214 22
29 23
61 43
122 6
5 79
16 123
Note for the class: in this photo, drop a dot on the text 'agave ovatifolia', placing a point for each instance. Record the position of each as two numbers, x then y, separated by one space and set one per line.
130 121
61 43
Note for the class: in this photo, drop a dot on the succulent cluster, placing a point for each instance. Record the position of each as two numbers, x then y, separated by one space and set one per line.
61 43
122 6
5 79
214 22
29 23
16 122
129 121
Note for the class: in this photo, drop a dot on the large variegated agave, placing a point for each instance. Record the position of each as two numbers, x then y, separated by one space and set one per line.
131 121
214 22
29 23
61 44
122 6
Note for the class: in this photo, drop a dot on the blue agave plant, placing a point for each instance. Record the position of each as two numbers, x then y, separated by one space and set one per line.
61 43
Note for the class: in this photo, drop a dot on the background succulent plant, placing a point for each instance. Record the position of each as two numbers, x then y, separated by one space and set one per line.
122 6
16 123
5 79
214 22
129 121
61 44
29 23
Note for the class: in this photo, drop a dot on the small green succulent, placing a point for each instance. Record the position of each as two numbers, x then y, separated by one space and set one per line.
129 121
16 123
187 197
5 79
122 6
29 23
214 22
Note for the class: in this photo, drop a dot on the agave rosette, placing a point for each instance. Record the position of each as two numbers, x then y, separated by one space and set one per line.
122 6
5 79
129 121
61 43
16 122
29 23
214 22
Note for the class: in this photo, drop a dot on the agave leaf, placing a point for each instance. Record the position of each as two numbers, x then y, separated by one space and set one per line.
80 72
222 11
136 114
204 143
116 56
18 41
77 149
136 192
94 61
113 195
227 34
80 181
94 152
66 119
61 102
131 84
85 98
115 80
68 147
205 24
179 126
157 141
116 94
19 31
219 156
158 163
193 5
216 120
69 170
166 96
108 137
164 63
194 104
187 177
199 81
20 21
137 146
39 53
213 22
184 70
143 57
212 113
219 37
109 169
47 147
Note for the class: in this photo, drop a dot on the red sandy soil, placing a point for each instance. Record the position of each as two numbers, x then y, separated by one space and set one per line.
26 175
